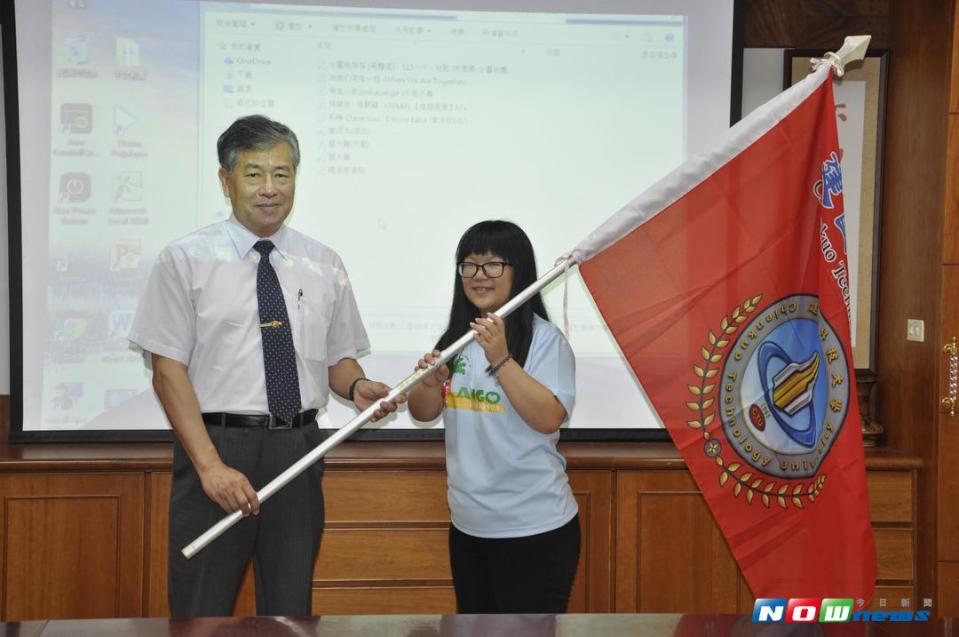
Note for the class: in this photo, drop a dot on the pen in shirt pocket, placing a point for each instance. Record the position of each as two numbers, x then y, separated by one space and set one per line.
299 298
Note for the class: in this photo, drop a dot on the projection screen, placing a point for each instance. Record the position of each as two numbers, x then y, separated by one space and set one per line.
415 120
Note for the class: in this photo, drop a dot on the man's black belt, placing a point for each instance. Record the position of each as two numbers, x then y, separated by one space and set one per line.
270 421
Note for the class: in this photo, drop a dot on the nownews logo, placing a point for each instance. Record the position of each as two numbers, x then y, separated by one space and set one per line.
828 611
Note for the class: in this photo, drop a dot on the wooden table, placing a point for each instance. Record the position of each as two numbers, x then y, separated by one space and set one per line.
599 625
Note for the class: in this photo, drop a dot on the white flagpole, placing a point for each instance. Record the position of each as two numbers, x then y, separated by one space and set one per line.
366 415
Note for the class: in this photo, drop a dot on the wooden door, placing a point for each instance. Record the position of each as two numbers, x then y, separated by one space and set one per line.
947 517
947 448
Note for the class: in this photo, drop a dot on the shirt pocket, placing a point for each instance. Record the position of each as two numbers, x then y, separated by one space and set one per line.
312 324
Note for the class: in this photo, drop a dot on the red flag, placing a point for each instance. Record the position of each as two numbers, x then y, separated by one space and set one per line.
727 289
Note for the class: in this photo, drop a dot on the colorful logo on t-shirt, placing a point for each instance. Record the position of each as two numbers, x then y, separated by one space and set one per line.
476 400
459 366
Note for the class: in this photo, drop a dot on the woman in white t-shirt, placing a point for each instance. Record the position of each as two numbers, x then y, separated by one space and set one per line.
515 537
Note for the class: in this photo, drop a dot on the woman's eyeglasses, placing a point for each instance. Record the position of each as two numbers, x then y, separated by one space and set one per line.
491 269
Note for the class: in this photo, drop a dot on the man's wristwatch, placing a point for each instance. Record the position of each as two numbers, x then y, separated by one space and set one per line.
349 394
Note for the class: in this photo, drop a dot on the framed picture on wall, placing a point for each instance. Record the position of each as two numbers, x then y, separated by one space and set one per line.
860 113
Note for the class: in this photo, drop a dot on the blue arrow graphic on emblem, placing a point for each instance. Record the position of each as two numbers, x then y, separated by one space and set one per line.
790 392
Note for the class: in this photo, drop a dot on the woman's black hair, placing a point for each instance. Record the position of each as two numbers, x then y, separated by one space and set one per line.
507 241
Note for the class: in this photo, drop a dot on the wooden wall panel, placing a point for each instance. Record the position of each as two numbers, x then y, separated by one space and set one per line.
946 603
379 497
954 92
592 587
678 560
890 496
950 239
158 518
671 556
649 543
40 564
246 597
390 554
894 554
912 224
74 546
947 537
385 600
746 598
384 549
814 24
397 534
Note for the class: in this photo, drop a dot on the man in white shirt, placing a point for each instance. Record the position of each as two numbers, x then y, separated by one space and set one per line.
250 324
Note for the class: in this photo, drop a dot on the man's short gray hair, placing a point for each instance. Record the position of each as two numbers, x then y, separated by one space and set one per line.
254 132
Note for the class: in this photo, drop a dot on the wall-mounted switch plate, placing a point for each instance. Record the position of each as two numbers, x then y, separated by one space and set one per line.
915 330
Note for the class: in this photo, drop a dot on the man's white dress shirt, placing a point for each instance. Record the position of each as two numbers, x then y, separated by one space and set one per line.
200 308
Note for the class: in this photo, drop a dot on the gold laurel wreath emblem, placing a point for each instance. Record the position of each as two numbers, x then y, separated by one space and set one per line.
786 493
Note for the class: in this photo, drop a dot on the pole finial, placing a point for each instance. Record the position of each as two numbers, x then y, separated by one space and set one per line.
853 49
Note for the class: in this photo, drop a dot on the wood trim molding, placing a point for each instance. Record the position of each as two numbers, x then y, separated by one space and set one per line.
157 456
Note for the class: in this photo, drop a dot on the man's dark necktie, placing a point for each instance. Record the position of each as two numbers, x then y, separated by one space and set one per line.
279 358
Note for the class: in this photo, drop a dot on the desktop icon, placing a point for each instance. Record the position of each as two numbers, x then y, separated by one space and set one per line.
76 118
66 394
128 186
125 255
69 329
128 52
77 49
74 187
118 323
123 119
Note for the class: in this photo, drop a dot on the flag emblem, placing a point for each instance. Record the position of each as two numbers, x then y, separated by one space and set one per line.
787 370
782 398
